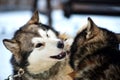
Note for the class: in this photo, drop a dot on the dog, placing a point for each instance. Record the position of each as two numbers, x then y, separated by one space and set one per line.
95 53
39 52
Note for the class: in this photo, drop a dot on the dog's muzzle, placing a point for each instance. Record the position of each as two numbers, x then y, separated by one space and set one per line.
60 56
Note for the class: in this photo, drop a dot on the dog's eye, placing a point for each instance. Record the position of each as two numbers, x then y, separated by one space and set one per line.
38 45
65 39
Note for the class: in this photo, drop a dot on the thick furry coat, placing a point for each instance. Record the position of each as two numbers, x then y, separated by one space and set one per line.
95 54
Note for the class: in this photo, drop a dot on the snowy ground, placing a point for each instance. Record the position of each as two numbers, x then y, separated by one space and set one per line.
11 21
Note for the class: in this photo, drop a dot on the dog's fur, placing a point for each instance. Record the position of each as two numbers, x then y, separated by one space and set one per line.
95 54
40 51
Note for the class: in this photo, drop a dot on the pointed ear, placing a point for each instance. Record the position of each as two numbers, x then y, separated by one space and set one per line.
118 37
91 27
11 45
35 18
90 24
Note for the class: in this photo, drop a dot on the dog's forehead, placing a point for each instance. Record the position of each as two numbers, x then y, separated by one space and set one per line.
46 36
40 30
25 34
47 33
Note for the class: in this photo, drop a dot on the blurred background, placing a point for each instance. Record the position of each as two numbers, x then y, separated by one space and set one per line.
64 15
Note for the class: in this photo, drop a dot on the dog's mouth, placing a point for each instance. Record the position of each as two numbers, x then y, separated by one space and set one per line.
60 56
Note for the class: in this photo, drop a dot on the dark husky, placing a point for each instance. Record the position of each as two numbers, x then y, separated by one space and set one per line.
38 52
95 54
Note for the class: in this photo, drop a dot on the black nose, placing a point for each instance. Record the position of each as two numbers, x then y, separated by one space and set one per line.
60 44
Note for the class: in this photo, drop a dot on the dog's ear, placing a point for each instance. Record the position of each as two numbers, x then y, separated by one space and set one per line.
91 27
35 18
118 37
11 45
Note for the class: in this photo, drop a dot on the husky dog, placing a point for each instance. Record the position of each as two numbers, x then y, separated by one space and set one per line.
39 51
95 54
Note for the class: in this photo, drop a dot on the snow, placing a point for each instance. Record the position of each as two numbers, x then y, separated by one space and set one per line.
5 67
72 24
11 21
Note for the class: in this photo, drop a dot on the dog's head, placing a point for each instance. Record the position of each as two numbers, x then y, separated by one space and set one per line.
36 46
92 34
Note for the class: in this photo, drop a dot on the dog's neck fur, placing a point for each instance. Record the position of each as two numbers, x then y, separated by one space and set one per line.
50 74
46 75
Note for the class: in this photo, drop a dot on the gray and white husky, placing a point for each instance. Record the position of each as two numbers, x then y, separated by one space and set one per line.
39 51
